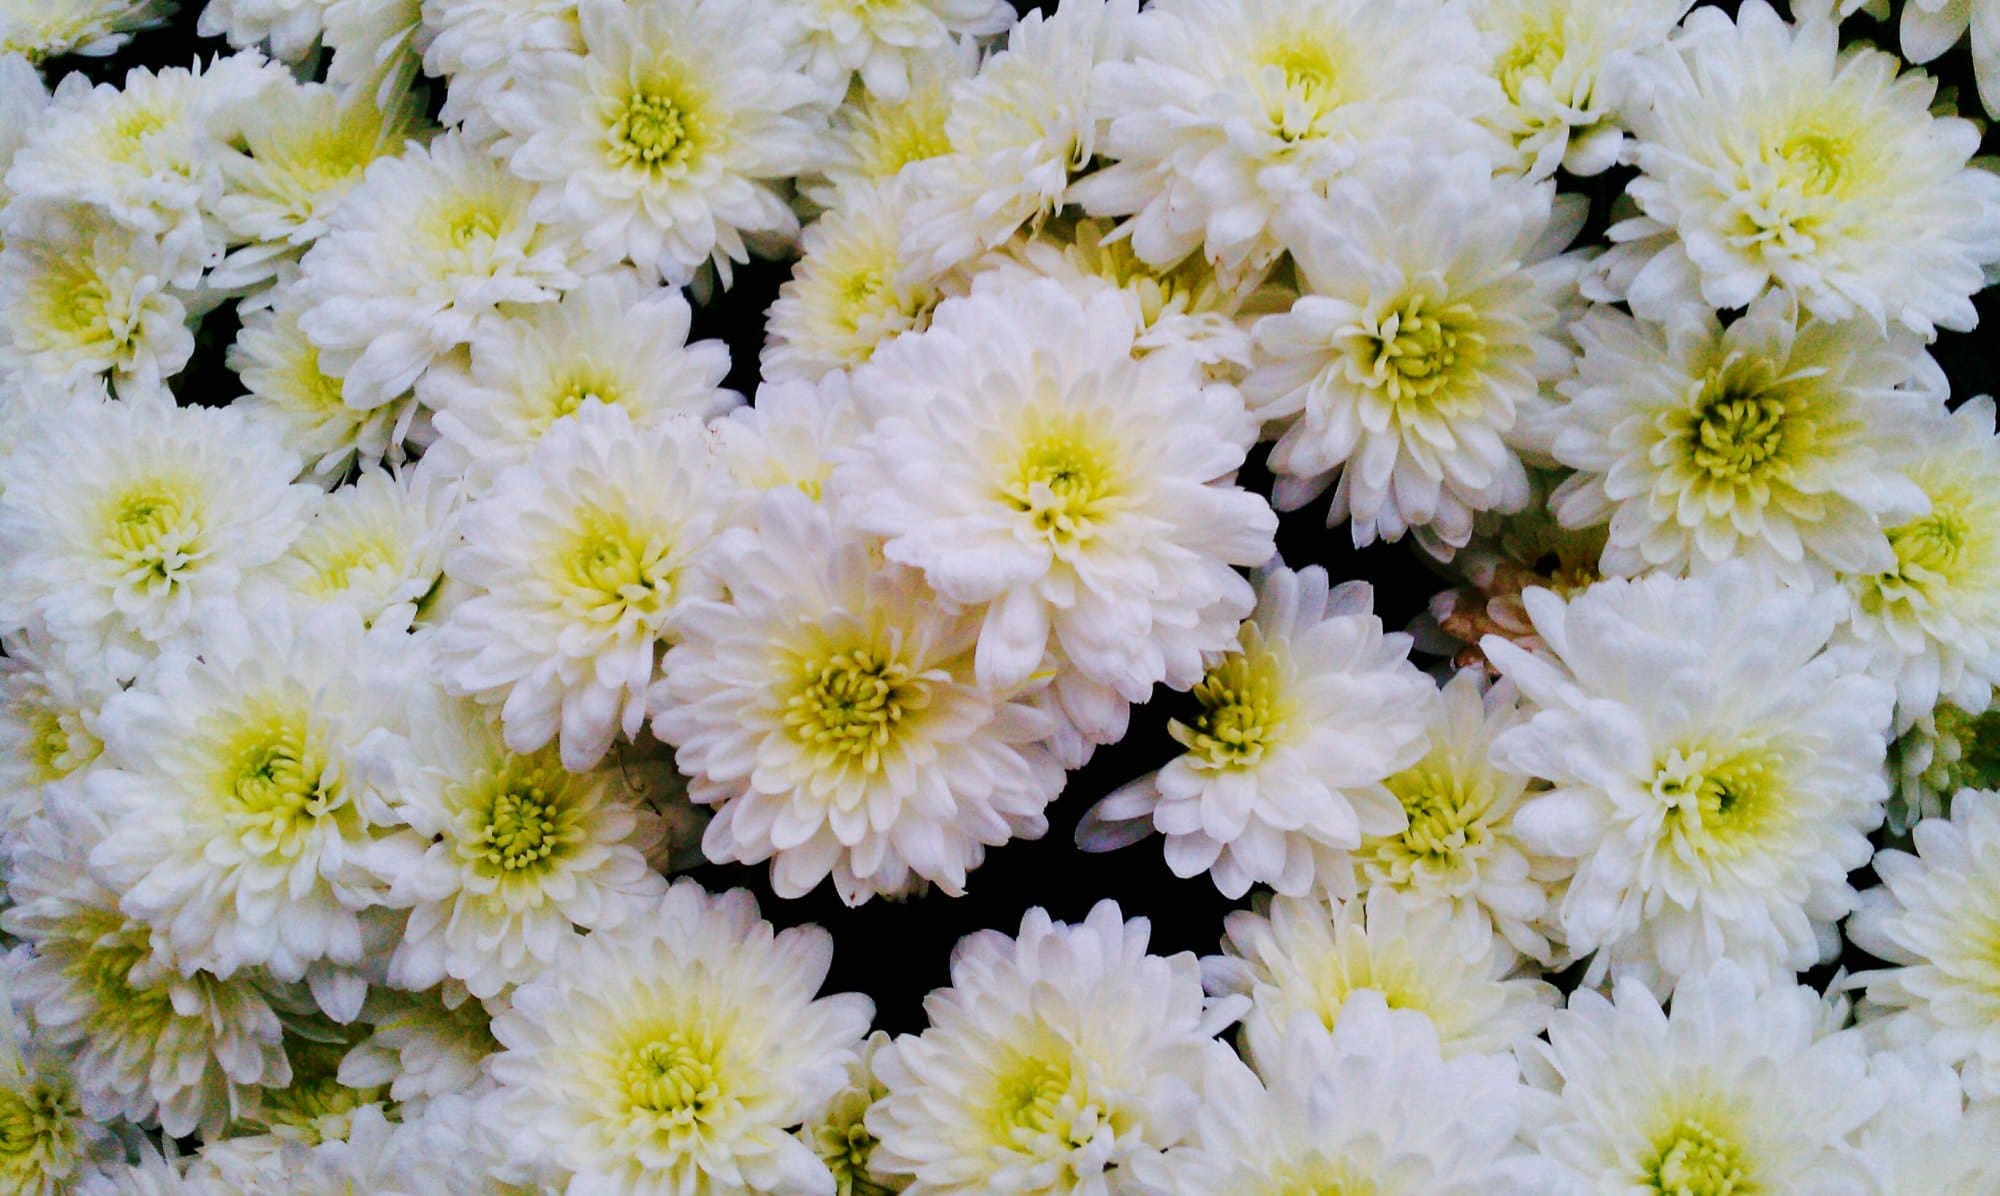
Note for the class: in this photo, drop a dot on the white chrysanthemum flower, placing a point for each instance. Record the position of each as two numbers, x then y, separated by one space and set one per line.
43 29
377 546
1931 620
873 137
1566 66
300 148
81 297
613 338
1433 309
1774 159
506 855
673 1054
660 142
1925 1141
575 565
124 525
850 292
375 45
47 1144
1233 112
288 29
155 1174
1300 723
1949 749
48 727
1370 1105
1459 844
1930 27
1313 955
424 245
1935 919
486 47
1715 771
289 389
1019 456
244 792
420 1046
1054 1063
1730 1090
1017 131
23 100
828 710
1775 440
790 438
144 1041
885 43
839 1135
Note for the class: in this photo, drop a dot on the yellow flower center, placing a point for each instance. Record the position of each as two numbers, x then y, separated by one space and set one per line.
890 136
75 300
468 223
1694 1160
653 129
337 563
523 828
1064 480
1317 1177
1736 438
1535 55
1932 546
1716 806
1243 707
1815 161
152 528
125 140
102 950
849 705
1028 1096
37 1134
275 778
1418 351
609 565
315 388
1446 810
672 1077
58 744
575 392
316 1103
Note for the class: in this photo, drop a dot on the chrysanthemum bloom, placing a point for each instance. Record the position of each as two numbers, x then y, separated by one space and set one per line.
1300 723
873 137
1432 311
850 292
840 1136
506 855
1926 1141
49 1144
42 29
1459 844
1565 66
1947 750
122 525
1775 440
660 142
575 565
1053 1064
243 787
483 48
425 244
1773 159
23 99
613 338
828 709
48 726
1934 920
288 29
1732 1089
1022 459
673 1055
884 42
790 438
81 297
1292 955
376 546
420 1047
1931 620
144 1040
1715 772
1231 112
1930 27
1367 1105
289 389
299 147
1017 131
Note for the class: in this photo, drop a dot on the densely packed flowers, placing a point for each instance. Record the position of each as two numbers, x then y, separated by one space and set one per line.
400 585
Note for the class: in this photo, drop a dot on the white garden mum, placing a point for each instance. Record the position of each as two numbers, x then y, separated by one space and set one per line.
1715 771
422 1048
1774 159
789 439
1233 112
289 29
1930 27
376 546
1300 724
1776 440
659 142
47 28
47 1143
840 1136
484 48
574 567
1926 1141
884 42
1019 456
1432 310
672 1055
873 138
613 338
849 293
23 99
828 710
1055 1063
48 727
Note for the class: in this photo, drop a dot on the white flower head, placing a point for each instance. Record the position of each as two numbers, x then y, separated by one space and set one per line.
486 47
1232 112
43 29
377 546
873 137
1930 27
1299 724
575 566
23 100
425 244
884 43
1926 1141
1054 1063
1017 132
614 338
828 709
839 1134
49 1143
1432 310
1293 956
790 438
672 1055
124 525
850 292
288 29
1020 457
48 727
1773 159
1715 772
659 142
420 1047
1731 1089
1775 440
1949 749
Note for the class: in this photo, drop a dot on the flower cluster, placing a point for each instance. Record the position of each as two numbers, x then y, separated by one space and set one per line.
396 591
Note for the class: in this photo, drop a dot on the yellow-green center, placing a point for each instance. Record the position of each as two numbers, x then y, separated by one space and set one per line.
1063 481
1422 347
1694 1160
1535 55
37 1131
1242 708
152 529
850 705
519 818
672 1077
1445 812
1738 438
654 130
1029 1094
1716 804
